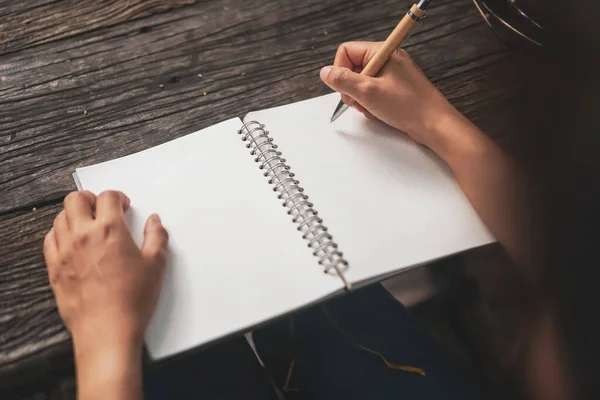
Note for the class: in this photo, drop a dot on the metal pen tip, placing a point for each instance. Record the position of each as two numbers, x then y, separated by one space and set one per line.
339 110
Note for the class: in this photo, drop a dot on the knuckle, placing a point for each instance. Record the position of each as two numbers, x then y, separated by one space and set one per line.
63 259
81 238
402 53
158 254
88 196
109 227
72 196
58 218
338 76
108 195
401 56
368 88
342 48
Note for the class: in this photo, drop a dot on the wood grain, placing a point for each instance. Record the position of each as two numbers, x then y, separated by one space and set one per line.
96 95
115 75
29 23
29 323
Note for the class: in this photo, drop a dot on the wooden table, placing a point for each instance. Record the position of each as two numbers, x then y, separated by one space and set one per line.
84 81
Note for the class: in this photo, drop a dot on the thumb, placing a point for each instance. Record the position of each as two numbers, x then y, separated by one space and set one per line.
155 240
348 82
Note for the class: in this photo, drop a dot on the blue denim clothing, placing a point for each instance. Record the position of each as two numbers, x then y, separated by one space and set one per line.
328 364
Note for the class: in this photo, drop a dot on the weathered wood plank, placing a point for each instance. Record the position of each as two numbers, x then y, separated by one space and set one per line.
114 75
25 24
29 323
252 54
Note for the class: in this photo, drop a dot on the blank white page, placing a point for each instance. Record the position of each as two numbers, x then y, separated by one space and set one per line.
235 257
388 202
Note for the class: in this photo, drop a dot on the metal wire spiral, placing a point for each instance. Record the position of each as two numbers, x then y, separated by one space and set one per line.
270 160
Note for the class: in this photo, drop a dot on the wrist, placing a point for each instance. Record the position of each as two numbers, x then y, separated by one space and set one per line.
104 368
457 140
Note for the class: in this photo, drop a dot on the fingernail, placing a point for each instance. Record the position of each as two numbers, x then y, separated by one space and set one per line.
155 218
324 73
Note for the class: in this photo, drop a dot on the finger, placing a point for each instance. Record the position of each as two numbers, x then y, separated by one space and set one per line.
355 55
50 249
370 116
359 108
61 229
156 239
111 204
79 207
364 111
51 256
360 88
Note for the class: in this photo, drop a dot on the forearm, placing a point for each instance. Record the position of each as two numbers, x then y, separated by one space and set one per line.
490 180
114 373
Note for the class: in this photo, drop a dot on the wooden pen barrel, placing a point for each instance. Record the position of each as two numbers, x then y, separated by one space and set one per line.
398 35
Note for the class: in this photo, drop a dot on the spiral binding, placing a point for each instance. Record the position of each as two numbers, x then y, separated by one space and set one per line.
293 198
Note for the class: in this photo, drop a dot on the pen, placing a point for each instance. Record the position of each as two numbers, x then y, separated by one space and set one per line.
393 42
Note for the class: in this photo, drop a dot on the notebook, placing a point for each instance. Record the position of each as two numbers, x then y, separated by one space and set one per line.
281 210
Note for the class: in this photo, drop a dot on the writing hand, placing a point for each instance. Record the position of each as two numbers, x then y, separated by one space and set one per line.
404 98
400 96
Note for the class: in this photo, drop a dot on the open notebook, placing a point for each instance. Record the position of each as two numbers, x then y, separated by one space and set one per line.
258 209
